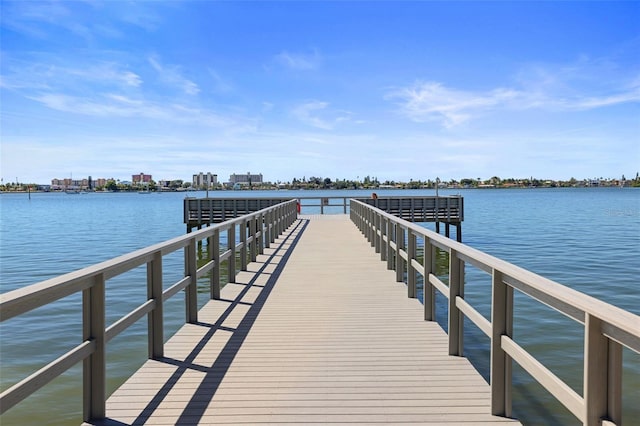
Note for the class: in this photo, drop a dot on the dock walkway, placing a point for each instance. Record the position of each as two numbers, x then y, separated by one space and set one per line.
320 334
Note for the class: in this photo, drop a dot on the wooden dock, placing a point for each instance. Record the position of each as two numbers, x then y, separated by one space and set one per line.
320 334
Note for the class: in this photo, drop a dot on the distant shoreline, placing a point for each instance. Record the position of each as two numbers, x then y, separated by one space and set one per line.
483 187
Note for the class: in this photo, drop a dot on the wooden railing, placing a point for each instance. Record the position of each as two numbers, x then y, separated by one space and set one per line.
246 236
447 209
199 211
606 327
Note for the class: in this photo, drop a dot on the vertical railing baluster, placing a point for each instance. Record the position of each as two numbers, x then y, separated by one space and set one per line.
94 367
383 234
253 246
191 290
260 230
231 262
155 317
373 230
428 263
456 277
411 270
376 236
267 229
399 248
614 382
274 226
214 255
390 231
600 372
501 325
243 248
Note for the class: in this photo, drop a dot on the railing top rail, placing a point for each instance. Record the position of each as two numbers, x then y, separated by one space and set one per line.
21 300
557 296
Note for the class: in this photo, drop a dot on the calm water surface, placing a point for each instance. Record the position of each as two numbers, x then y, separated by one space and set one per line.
587 239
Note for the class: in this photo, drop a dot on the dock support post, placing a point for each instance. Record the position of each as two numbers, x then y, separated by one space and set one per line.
155 317
456 288
95 366
459 232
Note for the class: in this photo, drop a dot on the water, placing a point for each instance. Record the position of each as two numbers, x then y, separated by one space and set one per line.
588 239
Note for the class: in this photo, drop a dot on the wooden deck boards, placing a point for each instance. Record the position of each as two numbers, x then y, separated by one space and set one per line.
323 335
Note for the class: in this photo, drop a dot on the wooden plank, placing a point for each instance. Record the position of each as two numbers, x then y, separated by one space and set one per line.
323 335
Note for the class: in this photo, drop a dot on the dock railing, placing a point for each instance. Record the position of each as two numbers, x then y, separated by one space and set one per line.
606 327
246 237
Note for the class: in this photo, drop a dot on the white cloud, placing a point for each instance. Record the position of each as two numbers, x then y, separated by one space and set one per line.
299 61
432 101
220 84
173 76
116 105
316 114
44 74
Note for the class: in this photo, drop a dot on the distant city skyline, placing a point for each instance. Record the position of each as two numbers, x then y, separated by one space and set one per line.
398 90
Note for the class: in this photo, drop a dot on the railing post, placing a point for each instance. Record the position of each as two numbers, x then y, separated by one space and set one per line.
411 270
429 297
214 255
231 245
344 205
383 232
456 288
94 367
267 229
614 382
191 290
243 248
377 233
601 401
390 232
155 317
399 247
502 325
253 246
260 225
373 229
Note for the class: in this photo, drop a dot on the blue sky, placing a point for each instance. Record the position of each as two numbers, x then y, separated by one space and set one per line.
397 90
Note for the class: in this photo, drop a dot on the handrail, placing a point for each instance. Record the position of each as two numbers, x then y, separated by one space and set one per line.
256 231
607 327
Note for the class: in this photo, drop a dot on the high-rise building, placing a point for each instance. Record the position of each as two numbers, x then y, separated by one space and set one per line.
247 178
141 178
205 180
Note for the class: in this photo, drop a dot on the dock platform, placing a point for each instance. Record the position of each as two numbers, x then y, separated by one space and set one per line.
322 334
